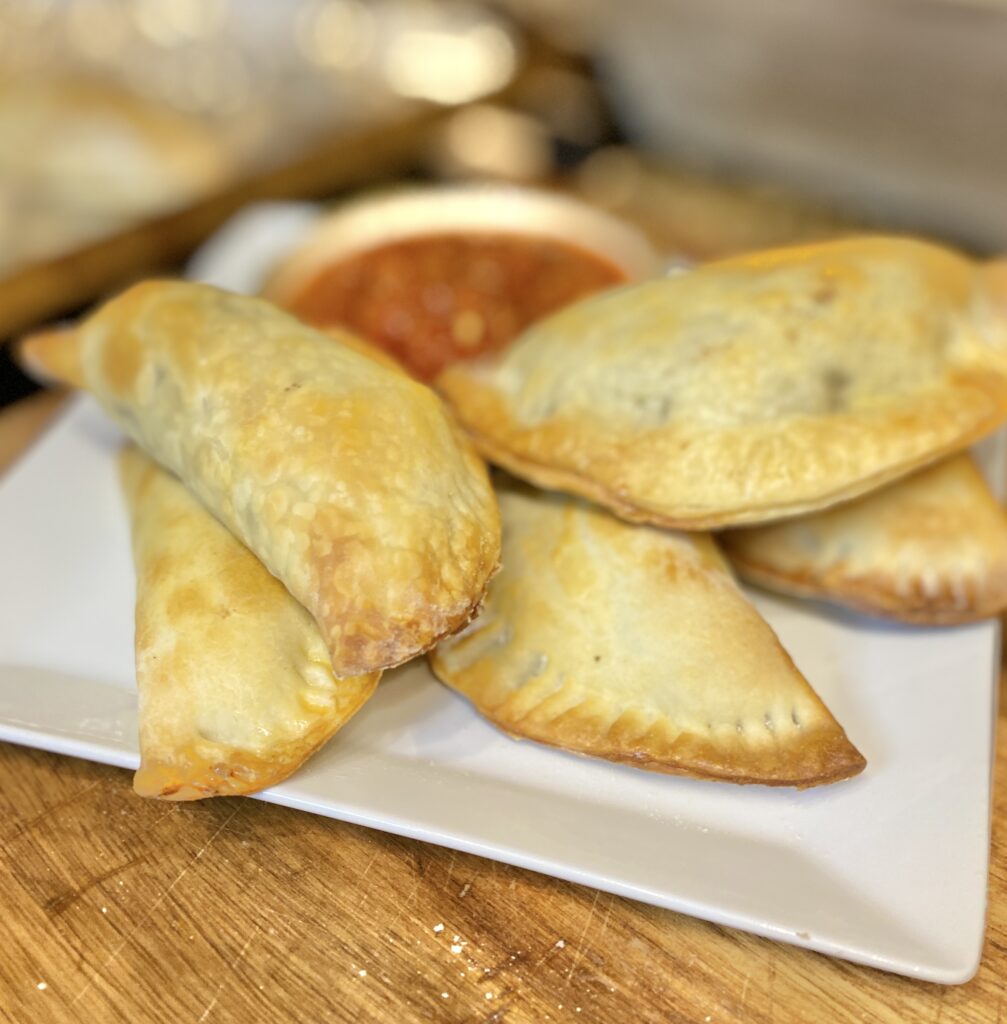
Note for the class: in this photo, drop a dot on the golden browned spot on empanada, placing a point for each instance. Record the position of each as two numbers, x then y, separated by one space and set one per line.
349 480
235 683
929 549
634 644
751 389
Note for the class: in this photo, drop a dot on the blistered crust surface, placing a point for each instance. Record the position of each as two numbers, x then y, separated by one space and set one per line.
235 683
635 644
348 480
749 389
929 549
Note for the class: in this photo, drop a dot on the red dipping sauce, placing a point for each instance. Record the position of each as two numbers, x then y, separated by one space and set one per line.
434 299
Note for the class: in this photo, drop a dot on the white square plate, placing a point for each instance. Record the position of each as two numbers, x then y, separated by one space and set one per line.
888 869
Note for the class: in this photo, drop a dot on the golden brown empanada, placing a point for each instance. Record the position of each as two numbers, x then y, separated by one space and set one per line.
349 480
750 389
929 549
636 645
235 683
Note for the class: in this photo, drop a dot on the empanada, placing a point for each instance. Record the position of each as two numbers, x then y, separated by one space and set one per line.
929 549
635 644
235 684
349 480
750 389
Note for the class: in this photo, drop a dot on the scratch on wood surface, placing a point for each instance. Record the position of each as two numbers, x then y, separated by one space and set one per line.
363 875
297 924
230 967
418 855
369 865
407 902
171 810
608 914
580 942
150 913
412 892
61 904
451 868
550 953
42 815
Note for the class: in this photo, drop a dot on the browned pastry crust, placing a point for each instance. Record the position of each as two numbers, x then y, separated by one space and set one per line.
930 549
235 684
752 389
636 645
349 480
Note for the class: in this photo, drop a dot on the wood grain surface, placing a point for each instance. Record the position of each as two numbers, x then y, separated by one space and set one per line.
120 909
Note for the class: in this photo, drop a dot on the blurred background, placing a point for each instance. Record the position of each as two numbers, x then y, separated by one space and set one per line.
131 129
